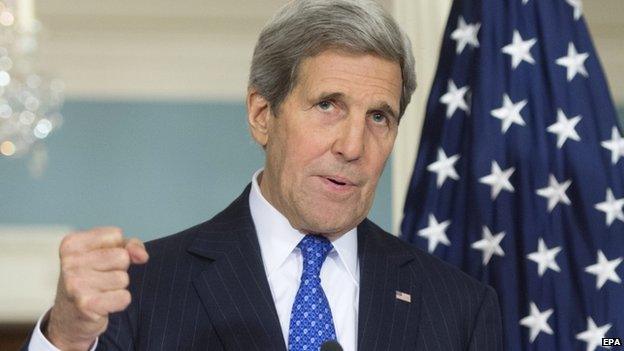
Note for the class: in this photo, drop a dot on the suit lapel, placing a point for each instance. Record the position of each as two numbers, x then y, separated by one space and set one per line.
385 322
234 290
232 285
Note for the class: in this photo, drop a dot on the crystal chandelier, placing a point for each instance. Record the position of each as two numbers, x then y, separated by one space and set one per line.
30 101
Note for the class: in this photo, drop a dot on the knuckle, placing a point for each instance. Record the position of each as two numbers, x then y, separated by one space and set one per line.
67 244
125 298
118 233
122 298
123 257
109 233
115 232
123 279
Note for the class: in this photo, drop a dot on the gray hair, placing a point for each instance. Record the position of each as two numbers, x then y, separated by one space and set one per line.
305 28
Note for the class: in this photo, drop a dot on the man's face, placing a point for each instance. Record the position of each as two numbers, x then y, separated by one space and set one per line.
327 145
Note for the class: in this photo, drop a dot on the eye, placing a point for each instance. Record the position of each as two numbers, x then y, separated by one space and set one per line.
379 117
325 105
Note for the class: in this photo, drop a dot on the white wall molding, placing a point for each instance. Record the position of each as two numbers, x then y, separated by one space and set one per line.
201 49
153 49
29 268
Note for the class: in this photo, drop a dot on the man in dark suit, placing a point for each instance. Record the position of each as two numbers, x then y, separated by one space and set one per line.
293 262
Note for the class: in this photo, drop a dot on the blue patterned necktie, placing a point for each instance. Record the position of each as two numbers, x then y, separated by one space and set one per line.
311 322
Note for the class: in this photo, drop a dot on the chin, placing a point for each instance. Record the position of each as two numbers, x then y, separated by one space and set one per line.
320 215
329 223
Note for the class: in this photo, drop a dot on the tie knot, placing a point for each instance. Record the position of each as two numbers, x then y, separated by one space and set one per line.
314 249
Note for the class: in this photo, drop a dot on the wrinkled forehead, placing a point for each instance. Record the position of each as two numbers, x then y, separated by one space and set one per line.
360 76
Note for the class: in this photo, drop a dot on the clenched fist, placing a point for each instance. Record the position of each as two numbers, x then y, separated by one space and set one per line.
92 284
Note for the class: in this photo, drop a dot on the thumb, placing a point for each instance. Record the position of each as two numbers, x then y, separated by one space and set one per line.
136 250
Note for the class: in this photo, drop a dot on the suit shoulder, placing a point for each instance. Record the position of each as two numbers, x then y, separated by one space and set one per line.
171 242
426 265
233 215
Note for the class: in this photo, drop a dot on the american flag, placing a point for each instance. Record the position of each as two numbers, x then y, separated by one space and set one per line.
519 179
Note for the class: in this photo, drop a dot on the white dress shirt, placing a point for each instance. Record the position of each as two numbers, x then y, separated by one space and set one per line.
283 264
38 341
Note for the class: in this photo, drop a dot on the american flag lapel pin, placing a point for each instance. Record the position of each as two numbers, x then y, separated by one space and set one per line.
403 296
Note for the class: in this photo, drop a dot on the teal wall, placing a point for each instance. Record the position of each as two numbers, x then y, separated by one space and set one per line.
152 168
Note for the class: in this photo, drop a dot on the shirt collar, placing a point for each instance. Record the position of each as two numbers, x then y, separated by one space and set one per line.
278 239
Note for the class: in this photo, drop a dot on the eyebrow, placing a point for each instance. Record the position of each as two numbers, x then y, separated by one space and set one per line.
381 106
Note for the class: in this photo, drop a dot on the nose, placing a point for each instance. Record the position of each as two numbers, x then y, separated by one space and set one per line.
349 144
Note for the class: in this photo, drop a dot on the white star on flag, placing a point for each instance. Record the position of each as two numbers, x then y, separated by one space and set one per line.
444 167
545 258
537 321
555 192
519 50
435 233
574 62
615 145
490 245
604 270
465 34
498 180
578 8
524 2
509 113
612 207
454 99
564 128
593 335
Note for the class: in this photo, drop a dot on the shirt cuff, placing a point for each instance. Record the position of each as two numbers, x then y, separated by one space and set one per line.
38 341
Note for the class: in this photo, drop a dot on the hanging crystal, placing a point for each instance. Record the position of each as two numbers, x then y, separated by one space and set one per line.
30 101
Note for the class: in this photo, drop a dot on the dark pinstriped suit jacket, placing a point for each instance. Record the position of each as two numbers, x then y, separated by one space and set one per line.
205 289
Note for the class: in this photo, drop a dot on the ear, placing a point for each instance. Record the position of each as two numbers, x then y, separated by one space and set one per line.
258 114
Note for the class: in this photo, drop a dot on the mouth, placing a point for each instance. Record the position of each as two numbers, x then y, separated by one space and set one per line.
339 180
338 184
